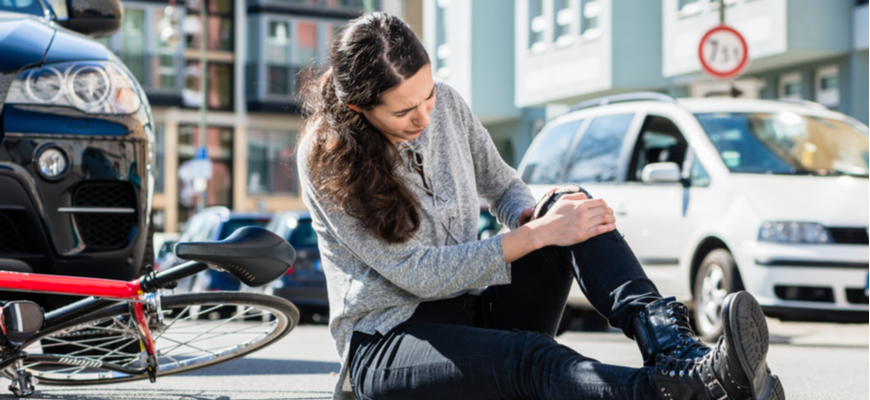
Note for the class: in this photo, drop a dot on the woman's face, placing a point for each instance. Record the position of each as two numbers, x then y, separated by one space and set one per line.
404 110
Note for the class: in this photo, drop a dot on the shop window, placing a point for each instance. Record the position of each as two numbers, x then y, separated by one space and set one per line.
271 162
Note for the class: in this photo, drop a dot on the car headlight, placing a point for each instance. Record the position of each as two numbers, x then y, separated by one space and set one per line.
793 232
94 87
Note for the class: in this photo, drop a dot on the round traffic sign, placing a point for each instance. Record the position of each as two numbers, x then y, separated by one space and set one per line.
723 52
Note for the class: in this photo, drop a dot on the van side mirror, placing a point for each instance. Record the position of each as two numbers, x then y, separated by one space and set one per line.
95 18
661 172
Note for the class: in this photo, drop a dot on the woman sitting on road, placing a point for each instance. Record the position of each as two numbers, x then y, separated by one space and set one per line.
392 165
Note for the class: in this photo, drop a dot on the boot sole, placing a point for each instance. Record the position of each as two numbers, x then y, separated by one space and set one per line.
750 338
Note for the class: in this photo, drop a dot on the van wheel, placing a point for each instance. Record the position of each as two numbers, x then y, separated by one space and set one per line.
715 279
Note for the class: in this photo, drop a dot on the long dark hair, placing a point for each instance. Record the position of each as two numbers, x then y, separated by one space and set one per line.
351 162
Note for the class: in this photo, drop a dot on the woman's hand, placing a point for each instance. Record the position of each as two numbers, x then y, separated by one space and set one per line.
574 218
525 216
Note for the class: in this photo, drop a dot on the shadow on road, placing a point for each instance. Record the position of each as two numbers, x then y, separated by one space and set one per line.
169 394
261 366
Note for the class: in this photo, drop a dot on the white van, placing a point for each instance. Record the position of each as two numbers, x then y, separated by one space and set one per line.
717 195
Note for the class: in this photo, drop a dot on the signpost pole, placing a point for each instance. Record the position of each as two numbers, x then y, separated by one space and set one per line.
203 82
722 12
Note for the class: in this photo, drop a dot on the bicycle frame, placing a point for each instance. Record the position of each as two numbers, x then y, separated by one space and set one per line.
103 293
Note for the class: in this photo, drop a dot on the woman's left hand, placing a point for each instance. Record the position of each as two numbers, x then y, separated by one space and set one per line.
525 216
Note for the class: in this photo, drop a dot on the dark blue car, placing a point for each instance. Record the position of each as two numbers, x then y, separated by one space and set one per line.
304 284
76 144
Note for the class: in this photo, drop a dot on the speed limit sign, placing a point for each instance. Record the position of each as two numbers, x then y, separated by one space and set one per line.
723 52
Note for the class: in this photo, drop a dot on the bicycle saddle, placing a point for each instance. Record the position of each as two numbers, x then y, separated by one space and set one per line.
254 255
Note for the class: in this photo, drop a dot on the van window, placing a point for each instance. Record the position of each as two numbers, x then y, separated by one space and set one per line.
698 175
595 159
659 141
544 160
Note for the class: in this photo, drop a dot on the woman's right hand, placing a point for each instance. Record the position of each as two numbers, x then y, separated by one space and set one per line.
574 218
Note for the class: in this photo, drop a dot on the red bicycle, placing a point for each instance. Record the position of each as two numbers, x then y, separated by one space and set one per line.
135 330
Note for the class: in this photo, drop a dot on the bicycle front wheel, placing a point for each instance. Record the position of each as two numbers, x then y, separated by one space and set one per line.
196 330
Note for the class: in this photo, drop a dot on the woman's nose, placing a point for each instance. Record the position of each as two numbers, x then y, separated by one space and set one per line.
421 117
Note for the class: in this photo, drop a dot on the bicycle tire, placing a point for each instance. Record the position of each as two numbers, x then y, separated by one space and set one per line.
119 333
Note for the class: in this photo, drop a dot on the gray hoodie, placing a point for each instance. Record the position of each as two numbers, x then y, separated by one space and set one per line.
374 286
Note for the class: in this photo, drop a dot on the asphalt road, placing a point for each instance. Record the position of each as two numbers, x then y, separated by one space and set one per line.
814 361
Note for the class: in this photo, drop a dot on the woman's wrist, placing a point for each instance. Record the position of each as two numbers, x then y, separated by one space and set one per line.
521 241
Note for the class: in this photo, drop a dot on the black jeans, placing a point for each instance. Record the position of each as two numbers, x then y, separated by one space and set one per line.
500 345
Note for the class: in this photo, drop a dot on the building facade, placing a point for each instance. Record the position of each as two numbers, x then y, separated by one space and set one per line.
257 52
471 47
572 50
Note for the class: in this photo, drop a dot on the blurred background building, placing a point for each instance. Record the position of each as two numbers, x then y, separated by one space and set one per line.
256 49
517 64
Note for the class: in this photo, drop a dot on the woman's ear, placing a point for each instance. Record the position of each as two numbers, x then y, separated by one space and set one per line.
355 108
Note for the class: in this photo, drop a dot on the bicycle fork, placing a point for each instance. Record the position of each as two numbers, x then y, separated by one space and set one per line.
146 341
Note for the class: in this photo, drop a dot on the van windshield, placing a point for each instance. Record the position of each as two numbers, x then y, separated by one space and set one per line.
787 143
21 6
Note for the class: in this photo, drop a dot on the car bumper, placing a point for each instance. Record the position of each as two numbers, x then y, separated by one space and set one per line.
88 223
791 280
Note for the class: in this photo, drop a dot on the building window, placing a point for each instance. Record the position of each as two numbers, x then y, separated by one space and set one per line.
219 144
591 11
282 50
278 57
442 49
828 86
564 22
790 86
271 162
220 85
220 25
355 4
148 45
537 26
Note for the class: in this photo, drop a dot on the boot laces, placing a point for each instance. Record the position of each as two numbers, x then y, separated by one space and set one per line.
672 366
679 318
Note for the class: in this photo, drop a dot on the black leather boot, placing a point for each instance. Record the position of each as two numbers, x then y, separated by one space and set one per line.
735 369
663 328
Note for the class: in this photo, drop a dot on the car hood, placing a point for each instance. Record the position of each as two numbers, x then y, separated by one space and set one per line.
25 40
831 201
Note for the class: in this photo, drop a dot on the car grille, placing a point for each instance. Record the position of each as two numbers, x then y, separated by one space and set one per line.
857 296
849 235
10 240
105 231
